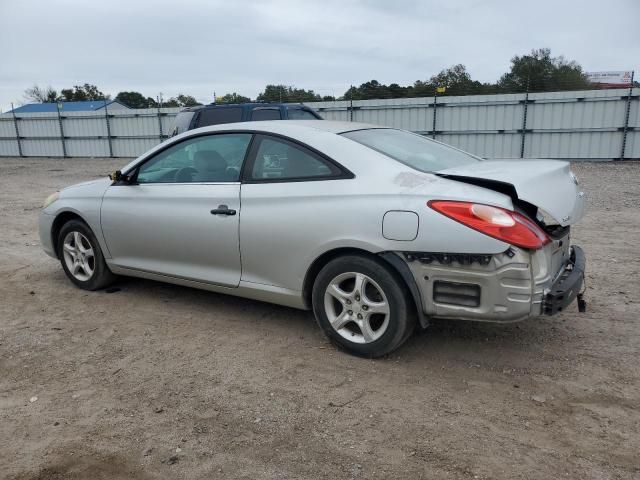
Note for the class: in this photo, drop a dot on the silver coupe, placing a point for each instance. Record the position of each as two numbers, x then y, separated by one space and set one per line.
377 230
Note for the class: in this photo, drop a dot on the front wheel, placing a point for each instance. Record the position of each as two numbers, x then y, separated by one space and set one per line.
361 306
81 256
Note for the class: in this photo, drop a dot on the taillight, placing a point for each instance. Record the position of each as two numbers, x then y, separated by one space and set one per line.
505 225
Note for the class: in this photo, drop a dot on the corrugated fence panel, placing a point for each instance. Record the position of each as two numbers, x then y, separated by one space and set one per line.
88 147
9 148
84 126
587 113
583 145
487 145
501 116
7 128
39 127
572 125
41 148
132 147
143 126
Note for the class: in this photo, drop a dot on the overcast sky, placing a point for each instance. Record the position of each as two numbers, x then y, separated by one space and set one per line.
201 46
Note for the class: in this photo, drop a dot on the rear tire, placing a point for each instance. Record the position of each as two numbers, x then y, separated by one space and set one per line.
81 257
362 306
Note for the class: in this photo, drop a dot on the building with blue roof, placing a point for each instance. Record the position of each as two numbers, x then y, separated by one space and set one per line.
87 106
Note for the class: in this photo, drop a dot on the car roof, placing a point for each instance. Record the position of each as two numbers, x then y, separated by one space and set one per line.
197 108
282 126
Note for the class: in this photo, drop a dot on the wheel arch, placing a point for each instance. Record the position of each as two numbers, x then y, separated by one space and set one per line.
62 218
389 258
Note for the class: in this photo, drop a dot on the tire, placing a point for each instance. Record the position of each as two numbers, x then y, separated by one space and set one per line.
369 322
81 257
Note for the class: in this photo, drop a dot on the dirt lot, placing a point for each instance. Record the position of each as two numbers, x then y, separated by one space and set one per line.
159 381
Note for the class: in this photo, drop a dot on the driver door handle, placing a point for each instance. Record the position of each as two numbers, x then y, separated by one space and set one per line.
223 210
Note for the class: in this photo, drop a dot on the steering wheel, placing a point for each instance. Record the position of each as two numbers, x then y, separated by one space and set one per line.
185 174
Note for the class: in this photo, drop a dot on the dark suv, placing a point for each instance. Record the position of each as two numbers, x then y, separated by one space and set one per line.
204 115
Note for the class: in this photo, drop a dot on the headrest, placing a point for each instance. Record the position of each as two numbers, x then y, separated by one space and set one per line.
209 161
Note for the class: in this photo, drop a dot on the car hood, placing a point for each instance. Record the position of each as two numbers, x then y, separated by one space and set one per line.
548 184
91 188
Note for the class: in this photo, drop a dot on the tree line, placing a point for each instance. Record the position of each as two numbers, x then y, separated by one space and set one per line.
538 71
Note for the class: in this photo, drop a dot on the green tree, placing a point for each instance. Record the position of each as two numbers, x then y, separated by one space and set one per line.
233 98
181 100
135 100
456 81
287 94
374 89
543 73
81 93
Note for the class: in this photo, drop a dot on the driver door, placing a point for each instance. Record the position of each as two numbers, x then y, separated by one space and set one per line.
180 214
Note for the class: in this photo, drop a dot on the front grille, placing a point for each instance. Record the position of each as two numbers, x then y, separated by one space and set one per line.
452 293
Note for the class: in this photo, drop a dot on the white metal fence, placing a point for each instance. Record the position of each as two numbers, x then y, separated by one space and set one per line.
595 124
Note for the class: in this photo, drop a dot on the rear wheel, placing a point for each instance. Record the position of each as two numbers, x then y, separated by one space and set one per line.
362 306
81 256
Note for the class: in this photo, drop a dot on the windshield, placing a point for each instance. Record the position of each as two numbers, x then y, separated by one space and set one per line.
411 149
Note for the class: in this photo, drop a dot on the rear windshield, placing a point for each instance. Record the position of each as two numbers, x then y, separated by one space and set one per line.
266 114
216 116
300 114
411 149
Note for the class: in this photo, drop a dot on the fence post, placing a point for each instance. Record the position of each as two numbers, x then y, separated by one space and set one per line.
15 125
64 146
435 115
524 120
106 118
626 119
160 122
351 104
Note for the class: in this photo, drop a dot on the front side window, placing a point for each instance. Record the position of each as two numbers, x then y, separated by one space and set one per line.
300 114
279 159
210 158
411 149
218 115
266 114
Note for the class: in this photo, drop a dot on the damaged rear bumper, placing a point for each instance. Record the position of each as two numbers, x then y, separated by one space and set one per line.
505 287
568 285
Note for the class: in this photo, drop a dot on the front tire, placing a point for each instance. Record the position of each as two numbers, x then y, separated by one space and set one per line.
362 306
81 256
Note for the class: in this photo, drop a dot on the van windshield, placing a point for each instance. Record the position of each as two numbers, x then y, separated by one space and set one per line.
414 150
181 123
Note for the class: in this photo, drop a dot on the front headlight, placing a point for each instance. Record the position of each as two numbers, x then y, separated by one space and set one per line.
50 199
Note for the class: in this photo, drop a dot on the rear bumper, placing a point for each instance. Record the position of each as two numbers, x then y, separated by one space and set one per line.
568 285
506 287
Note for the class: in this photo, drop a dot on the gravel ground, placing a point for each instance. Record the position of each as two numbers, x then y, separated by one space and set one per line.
159 381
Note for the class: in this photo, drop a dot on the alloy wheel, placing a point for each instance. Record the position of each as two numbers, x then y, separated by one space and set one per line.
79 256
356 307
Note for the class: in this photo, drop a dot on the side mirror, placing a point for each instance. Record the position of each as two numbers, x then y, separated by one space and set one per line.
116 176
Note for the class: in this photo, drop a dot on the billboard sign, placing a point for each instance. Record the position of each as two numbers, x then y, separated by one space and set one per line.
610 79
